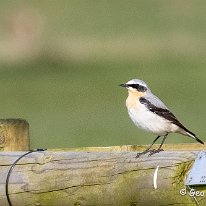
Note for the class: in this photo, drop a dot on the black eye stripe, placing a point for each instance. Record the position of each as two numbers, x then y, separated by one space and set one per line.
138 87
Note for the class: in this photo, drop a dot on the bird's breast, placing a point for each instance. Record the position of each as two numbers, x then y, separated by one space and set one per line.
132 100
145 119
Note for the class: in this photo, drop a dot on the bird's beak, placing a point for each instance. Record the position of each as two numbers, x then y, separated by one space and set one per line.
123 85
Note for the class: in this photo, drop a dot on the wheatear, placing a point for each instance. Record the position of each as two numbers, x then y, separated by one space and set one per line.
149 113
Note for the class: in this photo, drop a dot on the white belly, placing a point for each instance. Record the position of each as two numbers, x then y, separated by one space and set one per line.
151 122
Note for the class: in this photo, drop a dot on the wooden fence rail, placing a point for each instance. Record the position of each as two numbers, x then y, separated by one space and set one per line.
98 177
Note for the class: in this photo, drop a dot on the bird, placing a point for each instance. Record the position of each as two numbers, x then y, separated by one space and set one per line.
149 113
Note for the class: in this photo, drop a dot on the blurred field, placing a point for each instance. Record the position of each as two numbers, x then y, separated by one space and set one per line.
61 63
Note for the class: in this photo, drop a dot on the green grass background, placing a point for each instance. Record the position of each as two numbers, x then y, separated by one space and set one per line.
68 91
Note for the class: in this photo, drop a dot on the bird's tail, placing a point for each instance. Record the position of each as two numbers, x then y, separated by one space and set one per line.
190 134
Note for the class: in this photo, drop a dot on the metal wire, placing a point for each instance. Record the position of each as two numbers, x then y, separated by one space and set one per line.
11 169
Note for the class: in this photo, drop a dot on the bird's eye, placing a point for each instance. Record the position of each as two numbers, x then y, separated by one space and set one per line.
142 88
138 87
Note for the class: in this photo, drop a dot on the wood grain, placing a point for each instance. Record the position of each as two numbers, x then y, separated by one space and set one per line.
89 178
14 135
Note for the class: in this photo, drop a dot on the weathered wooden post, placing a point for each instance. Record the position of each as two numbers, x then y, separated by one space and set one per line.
14 135
100 177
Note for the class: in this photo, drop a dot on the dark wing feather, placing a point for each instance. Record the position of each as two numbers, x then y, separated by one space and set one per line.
165 113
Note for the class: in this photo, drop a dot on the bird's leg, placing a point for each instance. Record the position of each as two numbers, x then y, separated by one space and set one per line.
148 148
159 149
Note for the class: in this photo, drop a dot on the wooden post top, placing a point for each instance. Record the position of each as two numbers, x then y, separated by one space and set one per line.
14 135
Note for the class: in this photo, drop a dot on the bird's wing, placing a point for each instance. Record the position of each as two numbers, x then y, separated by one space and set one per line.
155 101
157 106
161 110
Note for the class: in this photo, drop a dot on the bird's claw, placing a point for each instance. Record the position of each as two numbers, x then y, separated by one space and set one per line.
142 153
154 151
151 152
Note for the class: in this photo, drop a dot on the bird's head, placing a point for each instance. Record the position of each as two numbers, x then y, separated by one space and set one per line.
136 86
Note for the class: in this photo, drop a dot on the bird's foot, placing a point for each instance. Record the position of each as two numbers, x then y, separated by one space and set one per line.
151 152
142 153
154 151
